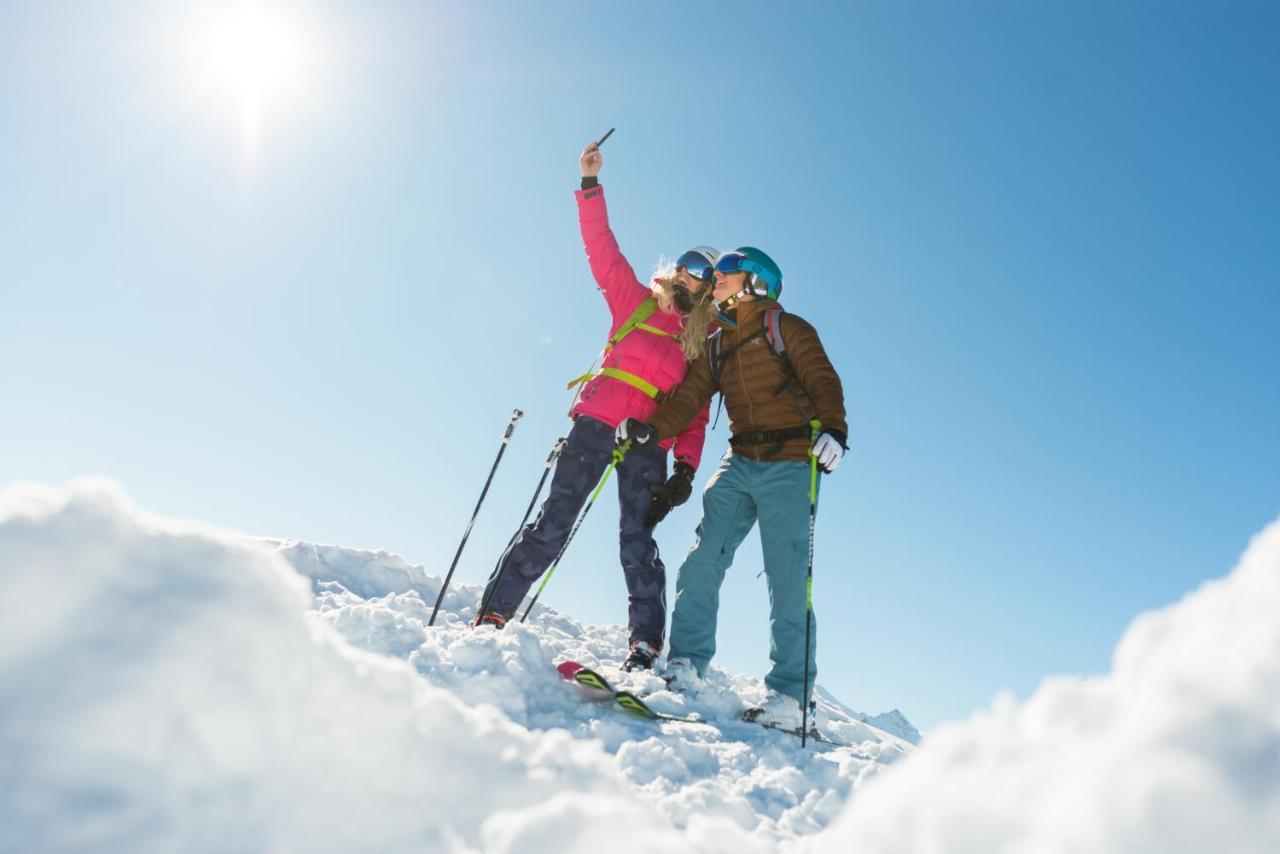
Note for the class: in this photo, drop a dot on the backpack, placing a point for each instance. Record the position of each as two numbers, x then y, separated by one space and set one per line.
771 330
636 321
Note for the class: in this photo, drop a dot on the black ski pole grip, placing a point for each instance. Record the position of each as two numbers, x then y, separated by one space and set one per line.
516 415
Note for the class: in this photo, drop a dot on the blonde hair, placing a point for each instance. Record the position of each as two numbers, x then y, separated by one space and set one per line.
692 336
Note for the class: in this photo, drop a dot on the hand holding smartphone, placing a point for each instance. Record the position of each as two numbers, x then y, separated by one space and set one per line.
591 159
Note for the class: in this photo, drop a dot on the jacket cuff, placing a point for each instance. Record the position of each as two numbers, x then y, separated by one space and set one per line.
589 182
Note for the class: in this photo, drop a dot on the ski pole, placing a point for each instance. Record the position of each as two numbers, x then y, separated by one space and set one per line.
814 426
497 570
506 438
618 453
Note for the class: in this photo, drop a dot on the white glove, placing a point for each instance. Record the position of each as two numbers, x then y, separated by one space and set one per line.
634 431
828 451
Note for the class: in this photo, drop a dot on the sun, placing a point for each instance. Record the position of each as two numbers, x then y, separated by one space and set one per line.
255 60
251 52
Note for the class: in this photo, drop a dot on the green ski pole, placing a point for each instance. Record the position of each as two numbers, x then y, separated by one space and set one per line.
814 427
618 453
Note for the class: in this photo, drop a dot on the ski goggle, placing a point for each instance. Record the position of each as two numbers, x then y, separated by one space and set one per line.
695 264
731 262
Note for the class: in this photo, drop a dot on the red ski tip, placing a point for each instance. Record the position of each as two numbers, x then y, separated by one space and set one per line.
568 669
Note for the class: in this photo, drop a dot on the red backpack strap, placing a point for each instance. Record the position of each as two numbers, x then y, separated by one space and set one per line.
773 331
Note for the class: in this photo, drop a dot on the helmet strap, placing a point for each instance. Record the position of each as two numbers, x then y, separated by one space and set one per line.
733 299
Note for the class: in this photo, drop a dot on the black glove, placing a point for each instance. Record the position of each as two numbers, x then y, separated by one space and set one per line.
633 430
673 493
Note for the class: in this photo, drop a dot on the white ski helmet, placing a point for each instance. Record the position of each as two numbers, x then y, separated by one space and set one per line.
700 261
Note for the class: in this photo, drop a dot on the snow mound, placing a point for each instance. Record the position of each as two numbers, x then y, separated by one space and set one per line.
167 686
164 689
172 687
761 780
1176 750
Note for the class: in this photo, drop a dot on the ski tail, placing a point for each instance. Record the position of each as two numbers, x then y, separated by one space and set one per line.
567 669
572 671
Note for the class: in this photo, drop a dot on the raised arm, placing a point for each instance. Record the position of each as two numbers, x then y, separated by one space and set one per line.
613 273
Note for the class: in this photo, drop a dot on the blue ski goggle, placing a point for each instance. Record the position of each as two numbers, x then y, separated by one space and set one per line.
731 262
695 264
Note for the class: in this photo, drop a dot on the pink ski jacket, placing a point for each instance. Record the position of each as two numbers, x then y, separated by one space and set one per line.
655 358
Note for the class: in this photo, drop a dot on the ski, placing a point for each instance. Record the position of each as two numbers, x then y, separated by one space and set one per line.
813 732
625 700
596 687
636 706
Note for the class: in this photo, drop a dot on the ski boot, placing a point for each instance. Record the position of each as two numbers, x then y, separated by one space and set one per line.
778 711
642 657
490 618
682 676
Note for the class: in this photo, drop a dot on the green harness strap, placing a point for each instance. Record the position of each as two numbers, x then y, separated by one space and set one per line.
636 321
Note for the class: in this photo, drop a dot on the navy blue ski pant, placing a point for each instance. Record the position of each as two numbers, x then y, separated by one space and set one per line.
583 461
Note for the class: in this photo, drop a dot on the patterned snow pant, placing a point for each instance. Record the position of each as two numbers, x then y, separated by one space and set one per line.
578 470
740 492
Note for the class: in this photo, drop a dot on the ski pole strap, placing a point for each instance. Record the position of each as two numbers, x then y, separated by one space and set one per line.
516 415
620 452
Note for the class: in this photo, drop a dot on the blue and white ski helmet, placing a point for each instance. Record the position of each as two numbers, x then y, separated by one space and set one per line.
700 261
765 275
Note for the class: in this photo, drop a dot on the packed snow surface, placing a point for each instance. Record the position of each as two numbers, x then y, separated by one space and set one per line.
170 687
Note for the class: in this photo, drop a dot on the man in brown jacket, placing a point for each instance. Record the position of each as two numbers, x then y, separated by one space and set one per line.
776 380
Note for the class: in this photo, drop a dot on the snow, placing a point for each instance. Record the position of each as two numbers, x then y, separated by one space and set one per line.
167 686
730 768
1176 750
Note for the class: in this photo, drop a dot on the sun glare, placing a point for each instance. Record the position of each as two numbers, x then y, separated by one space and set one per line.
256 60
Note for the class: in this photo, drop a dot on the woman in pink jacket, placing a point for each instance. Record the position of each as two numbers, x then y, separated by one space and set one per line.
655 331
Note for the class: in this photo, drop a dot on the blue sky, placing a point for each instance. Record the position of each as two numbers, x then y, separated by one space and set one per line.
1039 241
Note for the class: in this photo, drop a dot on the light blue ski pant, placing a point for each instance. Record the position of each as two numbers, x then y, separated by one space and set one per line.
740 492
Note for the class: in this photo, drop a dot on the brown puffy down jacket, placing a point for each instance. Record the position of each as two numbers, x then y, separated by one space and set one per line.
760 393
